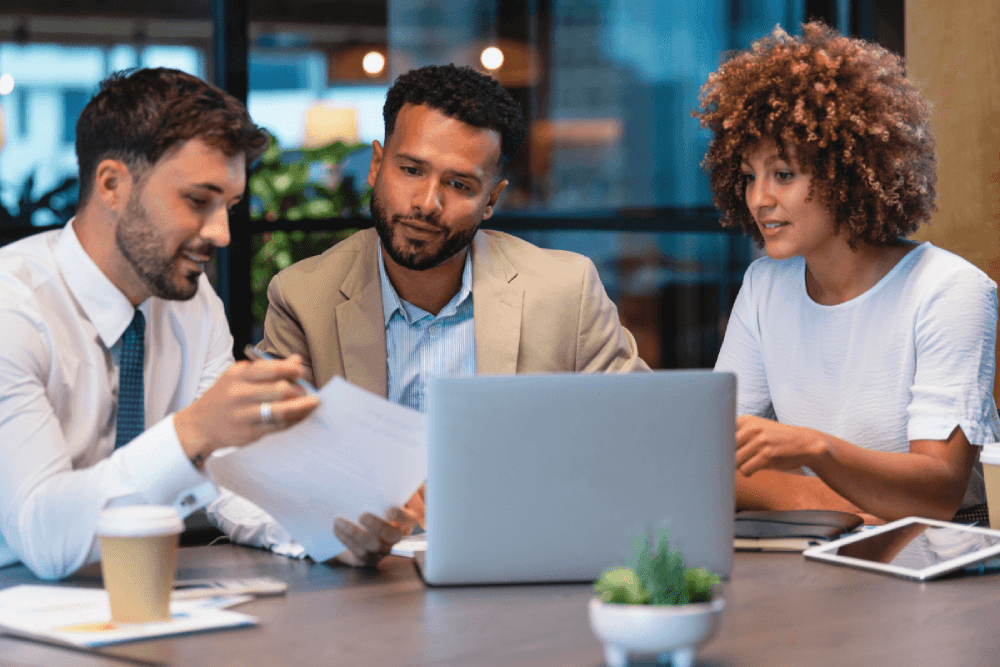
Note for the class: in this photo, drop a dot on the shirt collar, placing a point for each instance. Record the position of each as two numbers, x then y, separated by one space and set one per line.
391 301
107 308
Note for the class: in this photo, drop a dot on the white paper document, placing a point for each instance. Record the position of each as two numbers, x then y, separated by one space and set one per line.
356 453
82 616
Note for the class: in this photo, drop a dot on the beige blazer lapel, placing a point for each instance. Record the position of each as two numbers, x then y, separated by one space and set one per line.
361 324
497 305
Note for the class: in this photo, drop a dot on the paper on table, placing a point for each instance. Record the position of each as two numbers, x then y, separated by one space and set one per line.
356 453
82 616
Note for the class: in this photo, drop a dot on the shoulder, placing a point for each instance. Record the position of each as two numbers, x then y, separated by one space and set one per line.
329 269
529 260
935 267
765 277
29 261
28 268
941 286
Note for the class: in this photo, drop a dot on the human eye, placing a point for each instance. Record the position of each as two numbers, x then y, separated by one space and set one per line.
459 185
784 175
409 170
197 202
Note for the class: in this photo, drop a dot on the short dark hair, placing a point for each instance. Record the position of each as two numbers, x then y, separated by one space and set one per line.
138 115
845 108
474 98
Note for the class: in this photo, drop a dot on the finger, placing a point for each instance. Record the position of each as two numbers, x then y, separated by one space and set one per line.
406 520
293 410
387 533
262 370
361 543
416 503
753 461
746 452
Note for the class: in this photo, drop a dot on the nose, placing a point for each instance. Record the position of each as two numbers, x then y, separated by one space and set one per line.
216 228
427 198
759 195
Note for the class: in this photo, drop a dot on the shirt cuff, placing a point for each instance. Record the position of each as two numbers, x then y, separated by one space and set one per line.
940 427
162 472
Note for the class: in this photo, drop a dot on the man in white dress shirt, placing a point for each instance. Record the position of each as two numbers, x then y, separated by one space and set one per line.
116 374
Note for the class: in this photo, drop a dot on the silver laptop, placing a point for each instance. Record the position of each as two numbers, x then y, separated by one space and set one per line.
548 477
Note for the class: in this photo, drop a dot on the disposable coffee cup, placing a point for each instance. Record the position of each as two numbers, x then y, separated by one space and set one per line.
990 458
139 560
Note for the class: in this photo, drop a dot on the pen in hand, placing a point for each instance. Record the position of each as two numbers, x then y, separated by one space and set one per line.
255 354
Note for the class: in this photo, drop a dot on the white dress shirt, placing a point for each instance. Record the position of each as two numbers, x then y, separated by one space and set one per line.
62 326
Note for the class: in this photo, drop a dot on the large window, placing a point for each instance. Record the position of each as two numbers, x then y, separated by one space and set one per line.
611 168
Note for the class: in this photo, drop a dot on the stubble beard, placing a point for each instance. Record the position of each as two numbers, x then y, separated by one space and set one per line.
143 248
414 254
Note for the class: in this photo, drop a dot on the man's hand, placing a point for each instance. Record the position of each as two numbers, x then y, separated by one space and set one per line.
763 444
229 413
372 540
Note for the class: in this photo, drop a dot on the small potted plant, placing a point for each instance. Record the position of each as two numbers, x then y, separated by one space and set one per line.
655 605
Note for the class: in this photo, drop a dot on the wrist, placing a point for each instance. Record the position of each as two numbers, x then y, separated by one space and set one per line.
196 447
820 451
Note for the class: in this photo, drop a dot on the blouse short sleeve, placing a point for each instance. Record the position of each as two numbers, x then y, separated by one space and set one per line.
741 353
955 345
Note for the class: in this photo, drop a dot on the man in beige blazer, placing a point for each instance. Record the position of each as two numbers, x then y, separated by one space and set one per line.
536 310
449 133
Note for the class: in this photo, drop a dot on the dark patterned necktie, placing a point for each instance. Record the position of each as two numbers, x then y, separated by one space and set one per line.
131 392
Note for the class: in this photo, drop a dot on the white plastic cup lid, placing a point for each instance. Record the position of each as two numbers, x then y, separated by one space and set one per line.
990 455
139 521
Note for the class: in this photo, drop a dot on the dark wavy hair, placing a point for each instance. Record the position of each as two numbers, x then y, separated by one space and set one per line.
474 98
139 115
845 108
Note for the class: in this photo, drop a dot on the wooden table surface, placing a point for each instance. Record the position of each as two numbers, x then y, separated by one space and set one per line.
781 610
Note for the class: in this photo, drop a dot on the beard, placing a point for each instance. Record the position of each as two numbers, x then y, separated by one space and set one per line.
418 254
144 249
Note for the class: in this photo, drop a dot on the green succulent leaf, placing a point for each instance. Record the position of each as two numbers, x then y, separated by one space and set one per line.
621 584
656 577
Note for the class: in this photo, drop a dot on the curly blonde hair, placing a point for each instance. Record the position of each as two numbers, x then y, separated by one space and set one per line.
845 108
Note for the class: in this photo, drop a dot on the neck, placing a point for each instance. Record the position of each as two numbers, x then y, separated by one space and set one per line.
844 274
95 229
430 289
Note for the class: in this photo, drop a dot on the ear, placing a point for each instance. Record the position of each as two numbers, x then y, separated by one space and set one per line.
113 184
376 162
494 196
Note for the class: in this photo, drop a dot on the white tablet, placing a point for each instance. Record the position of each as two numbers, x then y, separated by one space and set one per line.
912 548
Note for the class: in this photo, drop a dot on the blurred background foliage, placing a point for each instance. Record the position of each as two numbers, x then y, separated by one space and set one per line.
295 185
57 205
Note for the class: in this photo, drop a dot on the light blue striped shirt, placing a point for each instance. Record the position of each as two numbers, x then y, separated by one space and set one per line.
420 345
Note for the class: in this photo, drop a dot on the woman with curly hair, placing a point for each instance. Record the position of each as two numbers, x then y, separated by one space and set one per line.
863 359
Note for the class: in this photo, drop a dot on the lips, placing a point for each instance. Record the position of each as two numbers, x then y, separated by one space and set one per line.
420 229
772 226
198 256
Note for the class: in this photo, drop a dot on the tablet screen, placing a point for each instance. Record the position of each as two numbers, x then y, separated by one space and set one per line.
918 545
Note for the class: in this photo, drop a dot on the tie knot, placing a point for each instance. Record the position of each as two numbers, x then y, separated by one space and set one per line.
136 330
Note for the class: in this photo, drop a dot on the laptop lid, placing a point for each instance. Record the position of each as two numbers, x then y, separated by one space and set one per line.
548 477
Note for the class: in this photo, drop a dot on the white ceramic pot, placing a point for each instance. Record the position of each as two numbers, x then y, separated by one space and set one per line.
672 634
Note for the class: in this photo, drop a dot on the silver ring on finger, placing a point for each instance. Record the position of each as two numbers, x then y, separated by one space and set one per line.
265 413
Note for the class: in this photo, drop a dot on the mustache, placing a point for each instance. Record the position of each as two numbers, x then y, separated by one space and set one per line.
202 248
430 220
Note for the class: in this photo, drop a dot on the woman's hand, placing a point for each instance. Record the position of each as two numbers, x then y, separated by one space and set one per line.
764 444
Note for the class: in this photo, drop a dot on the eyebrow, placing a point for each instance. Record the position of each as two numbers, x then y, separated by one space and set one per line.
209 186
459 174
769 161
